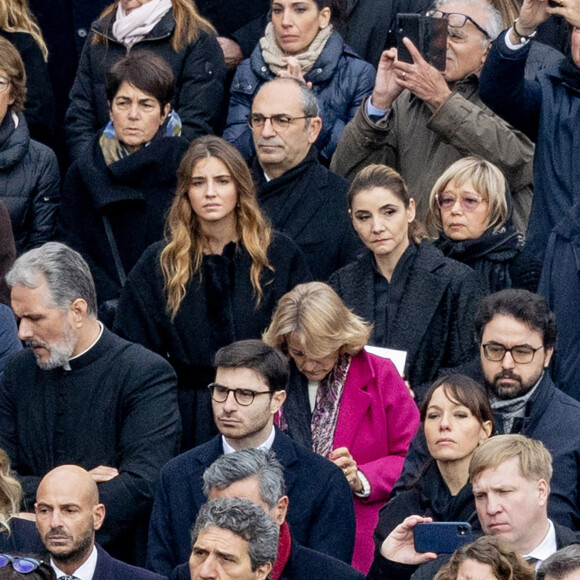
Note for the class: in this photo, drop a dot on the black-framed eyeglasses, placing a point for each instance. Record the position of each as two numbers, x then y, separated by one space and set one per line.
521 353
279 122
457 20
244 397
22 565
4 84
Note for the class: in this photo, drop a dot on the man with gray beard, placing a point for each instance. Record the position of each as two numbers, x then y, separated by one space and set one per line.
81 395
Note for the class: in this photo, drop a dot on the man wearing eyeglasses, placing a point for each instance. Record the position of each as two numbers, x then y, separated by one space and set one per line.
517 335
300 196
248 391
420 120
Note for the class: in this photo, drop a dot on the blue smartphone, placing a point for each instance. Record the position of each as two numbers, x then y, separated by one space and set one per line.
441 537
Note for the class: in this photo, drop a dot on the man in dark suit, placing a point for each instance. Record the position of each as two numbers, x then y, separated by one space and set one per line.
68 513
300 196
258 476
247 393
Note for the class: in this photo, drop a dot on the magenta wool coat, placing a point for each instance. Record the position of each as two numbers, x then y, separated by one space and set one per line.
376 421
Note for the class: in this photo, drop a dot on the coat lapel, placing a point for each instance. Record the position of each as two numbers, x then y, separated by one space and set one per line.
354 402
286 455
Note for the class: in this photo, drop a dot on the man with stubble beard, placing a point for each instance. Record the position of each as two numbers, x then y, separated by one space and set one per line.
68 514
516 332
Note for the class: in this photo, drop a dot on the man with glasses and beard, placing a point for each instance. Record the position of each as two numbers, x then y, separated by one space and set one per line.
516 332
68 513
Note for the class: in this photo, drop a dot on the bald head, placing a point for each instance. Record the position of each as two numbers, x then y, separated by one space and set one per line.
68 513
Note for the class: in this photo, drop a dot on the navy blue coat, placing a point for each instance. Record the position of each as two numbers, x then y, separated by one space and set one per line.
552 417
110 569
549 108
340 80
320 514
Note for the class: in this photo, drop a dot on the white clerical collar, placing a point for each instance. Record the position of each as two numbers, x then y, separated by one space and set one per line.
85 572
546 548
266 177
266 446
67 367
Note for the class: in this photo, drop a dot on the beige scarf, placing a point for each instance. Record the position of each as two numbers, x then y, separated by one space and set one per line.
273 55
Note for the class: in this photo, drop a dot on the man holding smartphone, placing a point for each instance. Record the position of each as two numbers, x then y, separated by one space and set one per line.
419 120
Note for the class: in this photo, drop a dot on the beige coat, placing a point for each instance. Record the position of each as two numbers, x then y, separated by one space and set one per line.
421 144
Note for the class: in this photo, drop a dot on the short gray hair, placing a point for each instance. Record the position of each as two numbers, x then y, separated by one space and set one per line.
245 519
560 564
233 467
308 99
67 276
494 23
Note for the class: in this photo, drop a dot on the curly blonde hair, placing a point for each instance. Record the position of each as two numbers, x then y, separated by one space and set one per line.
183 254
15 16
188 23
10 493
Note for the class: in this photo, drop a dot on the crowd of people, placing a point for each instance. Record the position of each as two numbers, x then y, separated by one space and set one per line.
275 302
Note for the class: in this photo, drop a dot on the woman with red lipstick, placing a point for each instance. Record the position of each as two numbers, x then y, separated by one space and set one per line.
301 42
471 208
173 30
342 402
215 279
456 417
418 300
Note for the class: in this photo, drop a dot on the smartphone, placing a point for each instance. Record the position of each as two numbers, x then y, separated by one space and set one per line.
441 537
428 34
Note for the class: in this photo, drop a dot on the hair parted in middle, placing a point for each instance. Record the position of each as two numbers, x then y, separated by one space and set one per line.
535 459
383 177
182 256
315 314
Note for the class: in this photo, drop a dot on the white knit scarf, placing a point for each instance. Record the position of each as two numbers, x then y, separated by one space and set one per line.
133 27
273 54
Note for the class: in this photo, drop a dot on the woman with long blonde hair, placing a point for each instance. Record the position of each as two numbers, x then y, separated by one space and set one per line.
215 279
172 29
19 26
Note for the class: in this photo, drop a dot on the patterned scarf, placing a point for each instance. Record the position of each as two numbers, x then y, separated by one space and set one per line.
325 414
273 55
113 149
135 26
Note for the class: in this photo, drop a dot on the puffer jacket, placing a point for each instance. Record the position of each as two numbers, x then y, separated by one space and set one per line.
29 184
199 71
340 80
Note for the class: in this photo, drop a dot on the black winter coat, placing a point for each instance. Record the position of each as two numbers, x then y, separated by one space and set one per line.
29 184
219 308
39 106
434 321
199 71
309 204
134 193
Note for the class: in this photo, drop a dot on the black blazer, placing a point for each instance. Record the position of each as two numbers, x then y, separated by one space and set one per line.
110 569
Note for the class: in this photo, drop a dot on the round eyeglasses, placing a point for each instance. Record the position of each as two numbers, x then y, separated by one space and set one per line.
446 201
279 122
4 84
244 397
522 354
457 20
22 565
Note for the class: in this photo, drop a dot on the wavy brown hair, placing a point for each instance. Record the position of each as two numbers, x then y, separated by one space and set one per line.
182 256
10 493
188 23
15 16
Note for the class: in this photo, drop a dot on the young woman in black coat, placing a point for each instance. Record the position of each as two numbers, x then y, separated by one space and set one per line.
116 195
456 416
471 208
172 29
418 300
215 280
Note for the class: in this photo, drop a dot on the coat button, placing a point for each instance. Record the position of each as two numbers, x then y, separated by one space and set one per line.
263 69
82 32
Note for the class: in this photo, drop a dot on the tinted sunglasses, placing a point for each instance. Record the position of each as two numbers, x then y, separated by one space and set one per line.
22 565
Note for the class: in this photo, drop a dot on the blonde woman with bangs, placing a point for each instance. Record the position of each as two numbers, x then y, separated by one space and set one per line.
18 25
343 403
470 207
215 279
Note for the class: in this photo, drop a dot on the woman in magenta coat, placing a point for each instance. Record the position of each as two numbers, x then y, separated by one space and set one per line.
344 403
